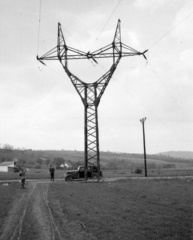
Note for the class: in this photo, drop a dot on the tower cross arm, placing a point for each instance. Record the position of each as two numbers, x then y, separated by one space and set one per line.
115 50
53 54
75 54
50 55
128 51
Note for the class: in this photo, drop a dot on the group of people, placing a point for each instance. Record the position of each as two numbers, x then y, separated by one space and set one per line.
22 175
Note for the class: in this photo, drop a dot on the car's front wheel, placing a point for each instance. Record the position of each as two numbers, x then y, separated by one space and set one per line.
68 178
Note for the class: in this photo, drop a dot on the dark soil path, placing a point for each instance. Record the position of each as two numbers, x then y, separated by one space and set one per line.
31 217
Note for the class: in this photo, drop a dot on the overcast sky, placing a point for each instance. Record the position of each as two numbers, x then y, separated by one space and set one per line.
39 107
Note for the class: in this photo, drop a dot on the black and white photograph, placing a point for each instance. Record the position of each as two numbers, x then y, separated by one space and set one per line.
96 120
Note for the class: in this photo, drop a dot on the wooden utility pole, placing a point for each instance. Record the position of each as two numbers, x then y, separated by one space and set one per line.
143 128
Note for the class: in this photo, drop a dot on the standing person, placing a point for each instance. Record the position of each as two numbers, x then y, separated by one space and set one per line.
22 177
52 170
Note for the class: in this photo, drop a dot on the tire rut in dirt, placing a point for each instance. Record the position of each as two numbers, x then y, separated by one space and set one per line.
13 225
38 222
38 215
30 217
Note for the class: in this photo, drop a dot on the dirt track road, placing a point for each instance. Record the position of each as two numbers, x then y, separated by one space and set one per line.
35 216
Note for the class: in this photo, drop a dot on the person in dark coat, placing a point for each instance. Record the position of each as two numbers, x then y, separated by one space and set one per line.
52 171
22 177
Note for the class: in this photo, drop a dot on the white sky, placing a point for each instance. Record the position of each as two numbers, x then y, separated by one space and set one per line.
39 107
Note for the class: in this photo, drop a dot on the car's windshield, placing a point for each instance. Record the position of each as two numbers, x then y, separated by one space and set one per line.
81 169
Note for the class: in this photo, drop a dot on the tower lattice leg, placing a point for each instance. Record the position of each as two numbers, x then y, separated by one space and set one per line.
92 155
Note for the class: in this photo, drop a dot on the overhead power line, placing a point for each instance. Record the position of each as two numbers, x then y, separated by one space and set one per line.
105 24
169 92
40 9
160 39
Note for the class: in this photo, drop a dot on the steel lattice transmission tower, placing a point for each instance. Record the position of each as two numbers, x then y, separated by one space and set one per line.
90 93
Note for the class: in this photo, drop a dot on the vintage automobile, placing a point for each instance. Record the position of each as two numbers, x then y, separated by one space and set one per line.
79 173
137 170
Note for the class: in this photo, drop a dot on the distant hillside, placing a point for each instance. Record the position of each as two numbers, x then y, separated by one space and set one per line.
178 154
109 160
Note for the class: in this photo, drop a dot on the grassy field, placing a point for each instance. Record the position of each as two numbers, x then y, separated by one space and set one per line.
130 209
126 209
134 208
